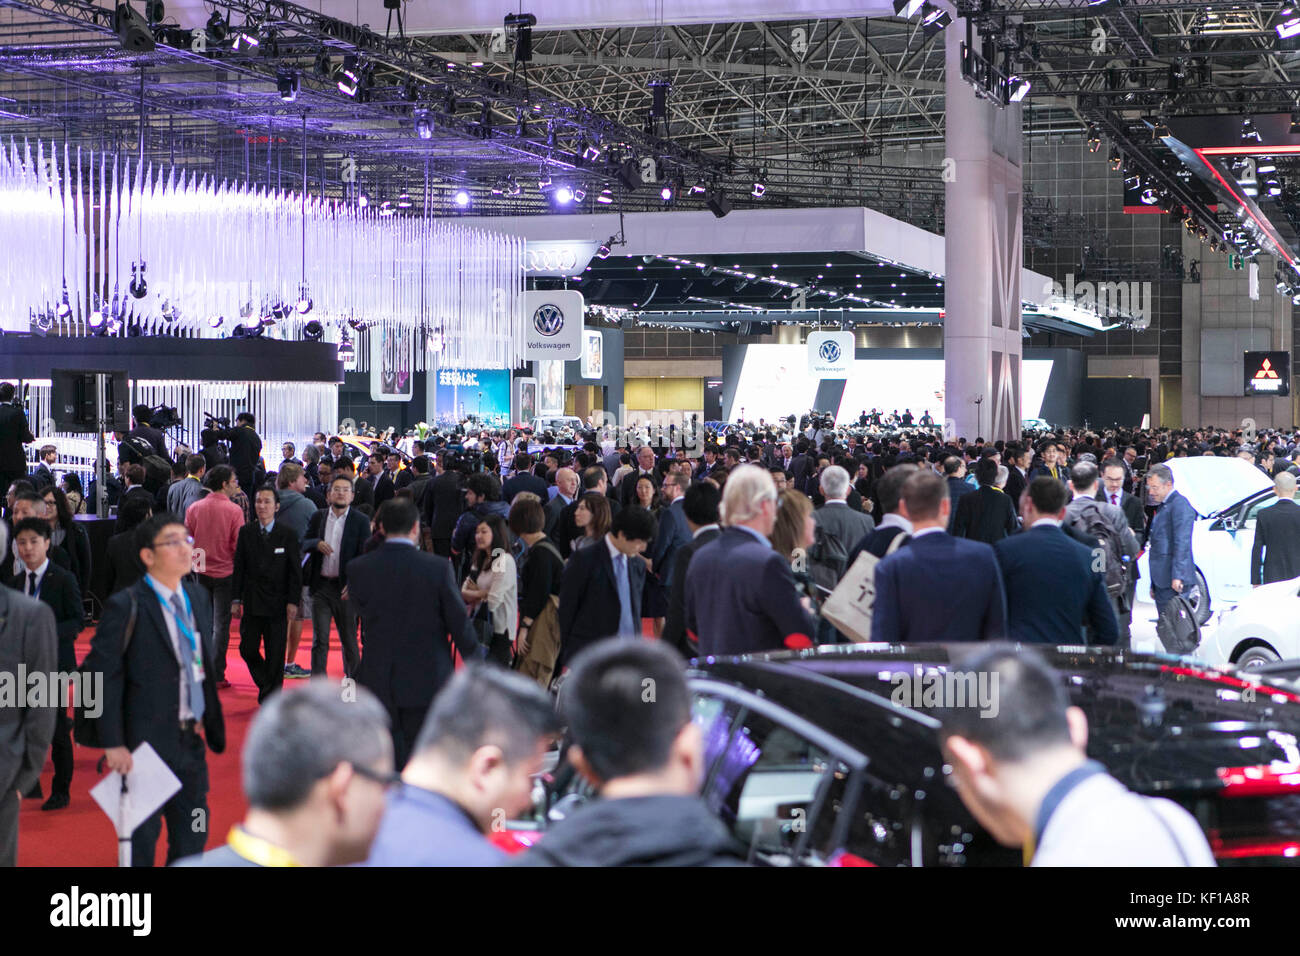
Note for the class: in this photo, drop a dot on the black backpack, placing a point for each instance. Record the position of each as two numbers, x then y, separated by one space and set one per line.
828 558
1093 523
1177 628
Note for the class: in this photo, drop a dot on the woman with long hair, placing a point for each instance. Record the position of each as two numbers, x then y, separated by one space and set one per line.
67 534
592 517
792 535
654 597
541 570
76 494
492 587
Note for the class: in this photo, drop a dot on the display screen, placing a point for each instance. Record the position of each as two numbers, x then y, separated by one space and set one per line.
774 382
1267 373
481 393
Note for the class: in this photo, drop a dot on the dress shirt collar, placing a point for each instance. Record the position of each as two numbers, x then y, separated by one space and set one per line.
837 501
757 534
614 553
337 516
703 528
399 540
39 572
925 531
1044 522
892 520
267 528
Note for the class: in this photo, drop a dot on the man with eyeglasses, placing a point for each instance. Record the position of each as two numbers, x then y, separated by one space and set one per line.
154 650
317 765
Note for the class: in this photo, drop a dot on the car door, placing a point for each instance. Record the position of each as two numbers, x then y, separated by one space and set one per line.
1233 537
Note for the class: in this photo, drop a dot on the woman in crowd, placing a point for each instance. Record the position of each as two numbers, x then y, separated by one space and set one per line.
68 535
592 517
537 643
76 495
493 586
654 598
792 536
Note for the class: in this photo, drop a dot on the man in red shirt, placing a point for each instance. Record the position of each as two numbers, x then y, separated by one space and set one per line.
214 522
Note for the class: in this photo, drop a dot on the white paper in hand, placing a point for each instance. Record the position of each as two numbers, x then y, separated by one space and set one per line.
150 784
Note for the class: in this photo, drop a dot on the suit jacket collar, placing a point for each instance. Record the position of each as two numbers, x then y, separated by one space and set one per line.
148 604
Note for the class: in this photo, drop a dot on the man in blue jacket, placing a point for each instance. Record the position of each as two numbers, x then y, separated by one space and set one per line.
936 587
1169 543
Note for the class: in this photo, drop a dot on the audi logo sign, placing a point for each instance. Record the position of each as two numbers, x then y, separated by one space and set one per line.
558 258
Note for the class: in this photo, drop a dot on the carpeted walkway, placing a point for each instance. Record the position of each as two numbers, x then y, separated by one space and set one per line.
81 835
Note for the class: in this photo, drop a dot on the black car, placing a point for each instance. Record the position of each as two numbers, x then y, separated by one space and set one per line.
810 761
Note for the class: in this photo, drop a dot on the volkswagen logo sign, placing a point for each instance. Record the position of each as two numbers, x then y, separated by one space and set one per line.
548 319
829 351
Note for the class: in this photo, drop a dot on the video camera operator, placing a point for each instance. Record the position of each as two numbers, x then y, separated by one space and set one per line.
245 449
144 428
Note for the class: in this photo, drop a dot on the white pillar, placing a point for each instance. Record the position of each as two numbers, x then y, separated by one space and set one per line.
983 253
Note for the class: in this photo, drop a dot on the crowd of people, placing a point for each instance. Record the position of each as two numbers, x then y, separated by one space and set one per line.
536 562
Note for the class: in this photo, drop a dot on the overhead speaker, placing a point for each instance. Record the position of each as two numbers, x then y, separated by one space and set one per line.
629 175
718 204
132 30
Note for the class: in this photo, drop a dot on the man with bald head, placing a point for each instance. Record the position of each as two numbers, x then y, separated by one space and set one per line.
566 484
1275 555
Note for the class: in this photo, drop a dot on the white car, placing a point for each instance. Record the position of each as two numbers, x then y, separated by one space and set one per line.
1262 628
1227 494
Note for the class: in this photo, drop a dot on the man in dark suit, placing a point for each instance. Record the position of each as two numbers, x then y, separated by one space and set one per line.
1113 477
1017 460
160 687
936 587
157 441
741 595
43 475
988 515
444 502
245 449
671 536
700 509
600 593
334 537
377 478
56 587
954 473
407 657
1052 589
14 433
1275 555
566 492
889 493
524 480
1169 544
267 584
28 640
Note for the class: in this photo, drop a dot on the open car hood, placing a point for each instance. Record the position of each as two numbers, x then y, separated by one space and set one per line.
1213 484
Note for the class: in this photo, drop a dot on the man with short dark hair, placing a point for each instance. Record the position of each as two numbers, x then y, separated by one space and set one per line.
988 515
937 587
1052 588
334 538
43 476
316 765
645 760
143 429
188 490
889 493
700 508
378 480
523 479
1024 774
267 585
245 449
214 522
600 595
473 763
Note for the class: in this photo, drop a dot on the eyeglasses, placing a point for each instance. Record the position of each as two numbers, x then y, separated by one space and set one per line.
384 779
173 543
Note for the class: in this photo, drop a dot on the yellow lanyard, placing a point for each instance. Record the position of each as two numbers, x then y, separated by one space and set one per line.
259 851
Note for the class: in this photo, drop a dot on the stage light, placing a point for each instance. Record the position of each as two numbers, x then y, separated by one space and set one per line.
169 312
1274 188
543 180
404 201
348 76
216 321
313 330
386 208
604 250
591 153
363 200
513 188
758 190
1288 28
138 287
563 195
1266 166
606 196
905 8
699 187
1018 89
304 303
65 307
666 192
423 125
132 30
461 198
1094 139
579 194
1115 160
96 318
1150 196
246 37
287 83
933 20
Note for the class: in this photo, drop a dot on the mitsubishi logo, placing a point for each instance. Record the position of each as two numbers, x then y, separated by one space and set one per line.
829 351
548 320
1266 370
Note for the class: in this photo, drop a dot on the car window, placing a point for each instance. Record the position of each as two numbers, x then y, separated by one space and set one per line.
1253 509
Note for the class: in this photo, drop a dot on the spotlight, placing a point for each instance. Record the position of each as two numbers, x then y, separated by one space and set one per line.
138 288
933 20
606 196
1150 196
758 190
423 126
1288 28
363 200
246 37
563 195
216 321
313 330
591 153
132 30
699 187
667 191
1115 160
96 318
216 28
1295 123
604 250
287 83
579 194
65 307
1018 89
659 89
461 198
304 303
544 180
348 76
404 201
512 186
1094 139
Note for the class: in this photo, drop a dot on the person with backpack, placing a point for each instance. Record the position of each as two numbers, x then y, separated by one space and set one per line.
1106 524
837 527
1053 587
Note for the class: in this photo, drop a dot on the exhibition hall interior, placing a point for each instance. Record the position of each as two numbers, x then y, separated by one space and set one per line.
648 433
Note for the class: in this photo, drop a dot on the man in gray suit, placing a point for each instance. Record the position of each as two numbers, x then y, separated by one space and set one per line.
836 519
28 640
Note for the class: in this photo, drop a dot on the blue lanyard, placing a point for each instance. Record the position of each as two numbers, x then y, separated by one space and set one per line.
181 625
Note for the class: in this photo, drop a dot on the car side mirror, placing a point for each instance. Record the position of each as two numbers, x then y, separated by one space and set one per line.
1230 524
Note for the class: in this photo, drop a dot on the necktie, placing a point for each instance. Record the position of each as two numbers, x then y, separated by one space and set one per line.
626 627
31 583
193 686
1113 501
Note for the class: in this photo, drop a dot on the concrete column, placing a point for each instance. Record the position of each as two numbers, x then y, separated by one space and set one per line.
983 253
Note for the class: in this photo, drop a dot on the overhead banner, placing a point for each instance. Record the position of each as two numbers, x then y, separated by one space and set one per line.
593 354
550 388
830 354
391 364
472 394
554 326
1267 373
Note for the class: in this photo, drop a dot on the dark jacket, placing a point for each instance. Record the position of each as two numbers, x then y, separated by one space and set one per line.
1052 590
637 831
245 453
524 482
153 436
1169 545
1016 485
462 539
939 588
381 486
1134 514
566 528
589 606
124 567
674 633
355 532
444 502
1275 555
60 593
76 542
142 687
14 433
876 543
268 569
958 488
988 515
413 614
741 598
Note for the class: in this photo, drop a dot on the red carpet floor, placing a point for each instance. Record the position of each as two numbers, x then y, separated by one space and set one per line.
81 835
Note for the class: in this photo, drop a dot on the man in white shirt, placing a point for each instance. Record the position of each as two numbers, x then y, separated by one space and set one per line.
1020 766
